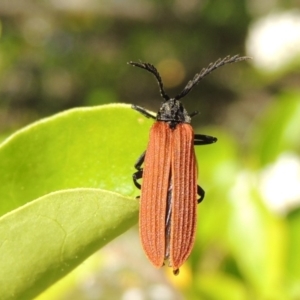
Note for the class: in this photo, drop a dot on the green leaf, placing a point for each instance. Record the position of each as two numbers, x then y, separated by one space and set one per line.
47 238
84 147
49 224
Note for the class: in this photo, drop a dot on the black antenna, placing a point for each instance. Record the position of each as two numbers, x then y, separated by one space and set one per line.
205 71
150 68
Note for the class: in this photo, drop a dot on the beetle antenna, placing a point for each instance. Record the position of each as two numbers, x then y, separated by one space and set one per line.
150 68
205 71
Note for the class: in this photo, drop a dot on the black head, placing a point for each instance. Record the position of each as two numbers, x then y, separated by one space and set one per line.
172 110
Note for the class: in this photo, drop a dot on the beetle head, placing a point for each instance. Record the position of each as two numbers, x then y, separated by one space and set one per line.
173 112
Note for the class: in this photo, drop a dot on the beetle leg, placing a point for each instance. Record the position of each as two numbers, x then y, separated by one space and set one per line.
143 111
201 193
136 176
139 174
202 139
140 161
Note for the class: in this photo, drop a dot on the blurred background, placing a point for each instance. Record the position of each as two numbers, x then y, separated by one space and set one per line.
56 55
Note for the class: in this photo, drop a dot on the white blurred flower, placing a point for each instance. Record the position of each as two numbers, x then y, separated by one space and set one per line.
274 40
280 183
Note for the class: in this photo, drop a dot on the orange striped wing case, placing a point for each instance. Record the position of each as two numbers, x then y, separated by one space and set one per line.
169 195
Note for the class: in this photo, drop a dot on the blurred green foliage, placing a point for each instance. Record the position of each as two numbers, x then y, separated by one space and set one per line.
59 55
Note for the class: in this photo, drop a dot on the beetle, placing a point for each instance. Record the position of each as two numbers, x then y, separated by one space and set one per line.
168 201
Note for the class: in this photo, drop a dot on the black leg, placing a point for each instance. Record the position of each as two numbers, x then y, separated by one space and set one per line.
139 174
140 161
143 111
202 139
201 193
136 176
